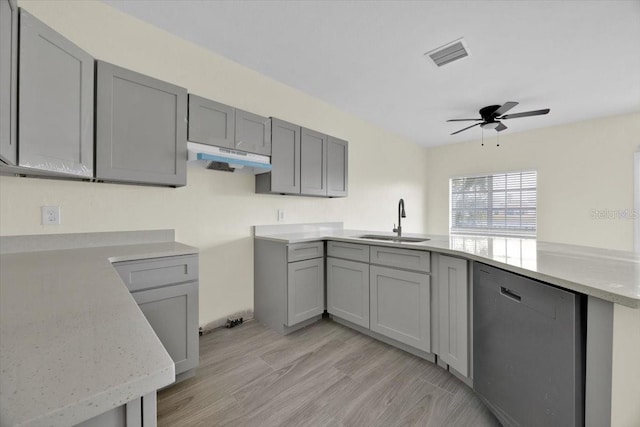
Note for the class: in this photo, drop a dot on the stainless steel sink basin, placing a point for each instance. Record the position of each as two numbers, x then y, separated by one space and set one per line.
392 238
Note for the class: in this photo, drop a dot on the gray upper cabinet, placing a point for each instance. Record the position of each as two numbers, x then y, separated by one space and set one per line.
55 101
253 133
141 128
211 123
284 178
8 81
313 158
337 167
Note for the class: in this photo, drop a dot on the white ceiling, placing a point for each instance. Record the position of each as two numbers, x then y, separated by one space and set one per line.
579 58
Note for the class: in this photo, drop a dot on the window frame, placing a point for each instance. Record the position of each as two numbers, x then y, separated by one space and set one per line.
494 232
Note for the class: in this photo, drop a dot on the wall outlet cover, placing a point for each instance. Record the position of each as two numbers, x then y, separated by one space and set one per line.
50 215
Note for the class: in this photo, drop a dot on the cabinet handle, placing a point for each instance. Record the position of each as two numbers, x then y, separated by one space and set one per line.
510 294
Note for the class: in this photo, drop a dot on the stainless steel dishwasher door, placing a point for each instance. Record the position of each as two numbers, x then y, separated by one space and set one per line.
528 349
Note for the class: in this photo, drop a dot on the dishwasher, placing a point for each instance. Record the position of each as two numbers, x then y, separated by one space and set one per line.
528 349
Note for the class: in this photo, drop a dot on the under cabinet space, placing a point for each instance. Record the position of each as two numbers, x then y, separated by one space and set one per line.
141 128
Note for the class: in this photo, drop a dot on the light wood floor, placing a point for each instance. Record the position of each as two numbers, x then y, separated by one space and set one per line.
323 375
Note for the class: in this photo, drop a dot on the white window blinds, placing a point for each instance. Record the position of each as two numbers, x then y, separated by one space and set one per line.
503 203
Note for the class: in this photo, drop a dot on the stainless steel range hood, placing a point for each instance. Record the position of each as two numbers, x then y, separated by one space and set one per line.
228 160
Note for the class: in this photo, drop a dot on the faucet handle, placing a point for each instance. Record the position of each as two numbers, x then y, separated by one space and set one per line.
395 229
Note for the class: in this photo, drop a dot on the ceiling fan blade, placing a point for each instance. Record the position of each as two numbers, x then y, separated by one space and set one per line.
506 107
500 127
468 127
464 120
525 114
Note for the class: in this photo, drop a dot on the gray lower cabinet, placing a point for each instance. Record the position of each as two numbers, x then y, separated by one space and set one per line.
252 133
400 306
284 178
313 163
453 317
348 290
8 81
288 284
141 128
166 290
305 290
55 101
337 167
211 122
140 412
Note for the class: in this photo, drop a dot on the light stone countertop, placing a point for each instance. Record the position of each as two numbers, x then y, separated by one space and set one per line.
606 274
73 342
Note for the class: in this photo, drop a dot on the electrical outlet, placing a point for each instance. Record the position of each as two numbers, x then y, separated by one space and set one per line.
280 215
50 215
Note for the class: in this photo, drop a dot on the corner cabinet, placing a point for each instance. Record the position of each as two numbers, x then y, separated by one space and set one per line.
288 284
141 128
166 290
453 318
8 81
55 101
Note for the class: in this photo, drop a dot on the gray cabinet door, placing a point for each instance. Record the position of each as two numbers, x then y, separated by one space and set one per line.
348 290
141 129
8 81
313 157
55 101
305 290
211 123
253 133
337 167
285 157
400 306
453 306
172 312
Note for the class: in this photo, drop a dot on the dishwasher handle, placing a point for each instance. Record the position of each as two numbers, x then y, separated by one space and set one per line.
510 294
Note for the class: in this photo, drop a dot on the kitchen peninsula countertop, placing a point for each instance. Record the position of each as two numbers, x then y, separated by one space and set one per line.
74 342
610 275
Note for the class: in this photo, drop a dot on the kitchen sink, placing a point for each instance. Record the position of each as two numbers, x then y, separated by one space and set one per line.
392 238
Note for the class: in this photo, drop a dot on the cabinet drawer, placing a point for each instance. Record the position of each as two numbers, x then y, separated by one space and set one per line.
302 251
352 251
157 272
402 258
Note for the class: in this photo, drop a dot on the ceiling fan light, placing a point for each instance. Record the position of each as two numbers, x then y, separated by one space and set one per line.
490 125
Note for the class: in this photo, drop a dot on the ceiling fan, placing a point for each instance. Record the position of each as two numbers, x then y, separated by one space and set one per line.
492 116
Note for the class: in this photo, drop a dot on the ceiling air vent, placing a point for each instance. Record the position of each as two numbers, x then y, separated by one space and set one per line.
448 53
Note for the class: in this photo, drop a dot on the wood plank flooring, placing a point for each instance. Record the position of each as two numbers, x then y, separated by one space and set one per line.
323 375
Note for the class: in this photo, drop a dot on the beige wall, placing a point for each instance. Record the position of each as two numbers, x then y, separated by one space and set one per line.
215 210
581 167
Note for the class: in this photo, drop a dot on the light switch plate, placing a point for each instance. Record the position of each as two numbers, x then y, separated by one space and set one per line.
50 215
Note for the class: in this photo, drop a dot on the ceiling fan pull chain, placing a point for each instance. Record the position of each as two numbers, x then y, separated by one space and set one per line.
498 139
483 137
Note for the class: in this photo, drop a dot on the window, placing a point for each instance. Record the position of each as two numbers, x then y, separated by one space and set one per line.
503 203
